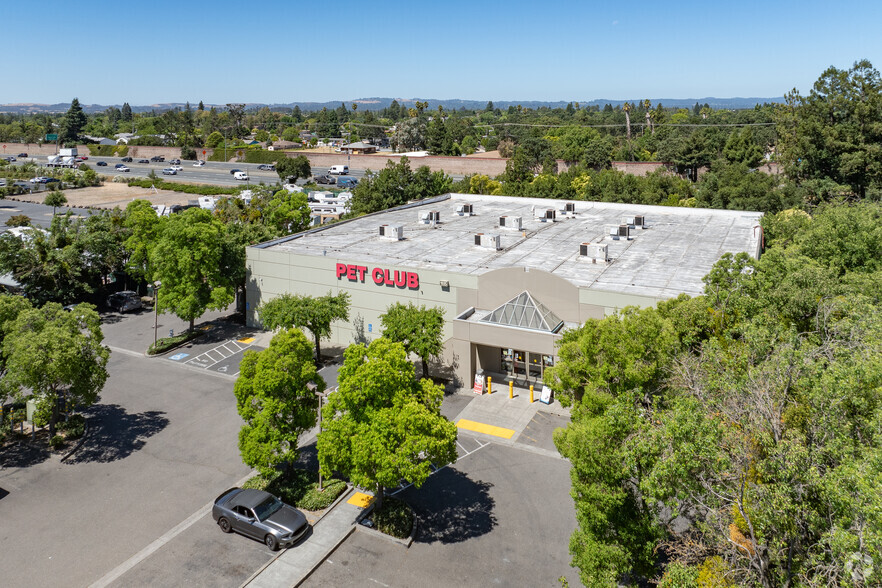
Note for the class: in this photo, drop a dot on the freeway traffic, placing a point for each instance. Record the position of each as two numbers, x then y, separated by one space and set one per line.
216 173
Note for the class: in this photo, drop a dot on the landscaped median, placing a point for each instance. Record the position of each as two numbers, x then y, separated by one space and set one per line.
299 488
167 343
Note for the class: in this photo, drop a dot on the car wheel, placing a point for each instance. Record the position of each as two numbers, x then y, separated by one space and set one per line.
271 542
224 525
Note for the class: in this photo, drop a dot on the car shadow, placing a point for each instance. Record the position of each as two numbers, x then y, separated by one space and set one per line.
115 434
451 507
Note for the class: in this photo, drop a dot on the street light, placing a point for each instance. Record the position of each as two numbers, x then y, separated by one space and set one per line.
156 286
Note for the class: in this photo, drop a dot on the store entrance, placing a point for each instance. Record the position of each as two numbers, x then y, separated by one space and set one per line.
525 366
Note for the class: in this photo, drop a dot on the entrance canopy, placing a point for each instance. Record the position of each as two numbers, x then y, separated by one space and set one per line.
525 312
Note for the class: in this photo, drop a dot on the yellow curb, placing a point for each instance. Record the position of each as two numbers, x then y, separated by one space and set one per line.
246 340
360 499
484 428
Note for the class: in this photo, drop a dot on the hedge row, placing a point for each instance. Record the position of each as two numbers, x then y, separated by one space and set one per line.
250 154
200 189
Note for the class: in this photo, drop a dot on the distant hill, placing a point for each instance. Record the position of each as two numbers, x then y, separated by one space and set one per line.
381 103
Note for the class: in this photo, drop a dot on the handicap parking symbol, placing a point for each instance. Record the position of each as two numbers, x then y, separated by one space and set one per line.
179 356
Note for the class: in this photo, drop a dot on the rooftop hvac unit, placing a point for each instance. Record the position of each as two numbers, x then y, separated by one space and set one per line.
464 210
570 208
511 222
548 216
430 218
637 220
395 233
620 231
488 241
594 251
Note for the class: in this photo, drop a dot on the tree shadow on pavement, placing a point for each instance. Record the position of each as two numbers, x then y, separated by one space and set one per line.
24 453
451 507
115 434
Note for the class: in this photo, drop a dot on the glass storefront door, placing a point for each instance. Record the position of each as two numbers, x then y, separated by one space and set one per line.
524 365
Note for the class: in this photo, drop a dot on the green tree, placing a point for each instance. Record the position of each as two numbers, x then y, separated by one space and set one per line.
276 400
214 140
55 199
419 329
396 184
142 225
126 113
834 133
186 258
293 167
313 313
58 356
382 426
74 120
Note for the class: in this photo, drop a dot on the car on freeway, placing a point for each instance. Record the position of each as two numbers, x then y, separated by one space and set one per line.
101 164
177 167
10 159
51 181
123 169
324 180
199 163
233 172
158 158
22 154
127 159
169 172
124 301
83 158
39 180
143 161
266 167
240 175
119 165
259 515
175 162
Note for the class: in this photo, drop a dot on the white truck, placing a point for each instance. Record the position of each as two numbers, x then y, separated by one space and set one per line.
339 170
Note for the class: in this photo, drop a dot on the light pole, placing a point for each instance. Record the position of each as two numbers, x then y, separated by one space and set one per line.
156 286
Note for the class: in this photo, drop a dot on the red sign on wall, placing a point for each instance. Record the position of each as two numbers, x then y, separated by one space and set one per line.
380 276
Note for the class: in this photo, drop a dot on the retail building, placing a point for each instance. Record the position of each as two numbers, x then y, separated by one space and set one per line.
510 273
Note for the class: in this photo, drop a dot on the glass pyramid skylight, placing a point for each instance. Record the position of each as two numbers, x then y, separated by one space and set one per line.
525 312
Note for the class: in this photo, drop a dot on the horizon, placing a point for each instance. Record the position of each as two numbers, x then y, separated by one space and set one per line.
568 52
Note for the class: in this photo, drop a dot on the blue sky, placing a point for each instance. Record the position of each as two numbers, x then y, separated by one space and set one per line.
154 51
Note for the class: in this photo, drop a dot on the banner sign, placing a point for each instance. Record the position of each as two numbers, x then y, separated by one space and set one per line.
479 384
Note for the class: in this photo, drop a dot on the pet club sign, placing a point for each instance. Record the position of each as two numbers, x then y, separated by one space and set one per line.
380 276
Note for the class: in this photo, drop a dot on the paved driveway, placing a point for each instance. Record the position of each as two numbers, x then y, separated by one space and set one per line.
500 516
163 444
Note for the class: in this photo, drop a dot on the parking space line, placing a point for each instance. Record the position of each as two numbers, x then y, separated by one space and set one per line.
480 446
485 428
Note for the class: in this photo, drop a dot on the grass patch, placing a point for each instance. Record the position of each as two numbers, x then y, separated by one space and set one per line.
164 344
394 517
300 488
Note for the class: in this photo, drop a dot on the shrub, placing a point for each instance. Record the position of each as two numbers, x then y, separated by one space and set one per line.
74 427
298 487
394 518
164 344
678 575
201 189
262 156
18 220
188 153
56 442
315 500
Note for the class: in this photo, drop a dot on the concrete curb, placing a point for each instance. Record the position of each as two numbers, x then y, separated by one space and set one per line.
279 553
376 533
80 442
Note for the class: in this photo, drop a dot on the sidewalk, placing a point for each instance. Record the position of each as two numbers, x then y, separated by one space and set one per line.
293 565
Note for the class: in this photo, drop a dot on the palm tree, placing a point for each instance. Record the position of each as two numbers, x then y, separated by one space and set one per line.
647 106
627 108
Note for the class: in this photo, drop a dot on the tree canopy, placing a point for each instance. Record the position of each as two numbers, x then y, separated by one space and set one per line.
417 328
382 425
313 313
275 396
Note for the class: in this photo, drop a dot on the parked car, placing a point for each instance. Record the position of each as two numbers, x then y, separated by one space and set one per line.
127 159
240 175
143 161
123 169
124 301
157 158
101 164
22 154
259 515
199 163
347 182
324 180
233 172
266 167
169 172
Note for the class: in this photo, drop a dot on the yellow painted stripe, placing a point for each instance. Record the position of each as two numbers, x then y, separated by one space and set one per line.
206 328
484 428
246 340
360 499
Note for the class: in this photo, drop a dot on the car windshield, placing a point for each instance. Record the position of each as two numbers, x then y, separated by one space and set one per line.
266 508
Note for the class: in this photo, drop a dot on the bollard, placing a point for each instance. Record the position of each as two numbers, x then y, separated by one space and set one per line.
511 390
531 393
489 385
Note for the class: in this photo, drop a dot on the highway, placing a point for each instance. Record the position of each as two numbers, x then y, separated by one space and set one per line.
216 173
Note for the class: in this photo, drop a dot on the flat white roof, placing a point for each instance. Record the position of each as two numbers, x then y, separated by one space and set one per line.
671 255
